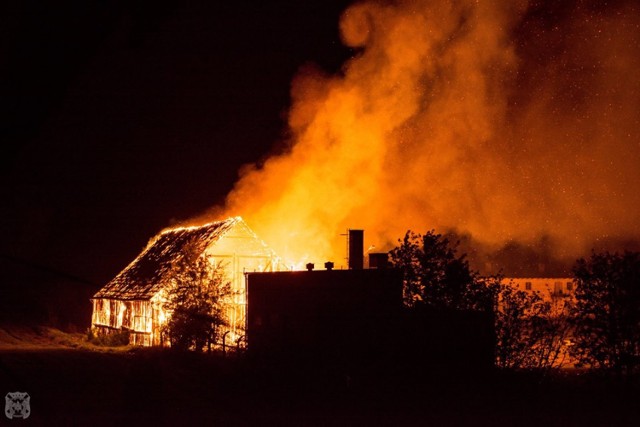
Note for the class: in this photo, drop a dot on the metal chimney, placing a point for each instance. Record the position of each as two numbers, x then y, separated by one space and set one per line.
356 249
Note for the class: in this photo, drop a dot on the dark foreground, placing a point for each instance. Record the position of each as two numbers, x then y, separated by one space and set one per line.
162 388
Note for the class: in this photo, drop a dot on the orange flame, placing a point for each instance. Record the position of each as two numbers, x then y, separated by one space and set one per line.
475 116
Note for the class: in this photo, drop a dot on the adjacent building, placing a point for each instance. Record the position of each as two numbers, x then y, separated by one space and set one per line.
335 313
547 287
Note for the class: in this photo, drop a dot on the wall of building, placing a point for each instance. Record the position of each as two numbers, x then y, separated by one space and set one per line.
240 251
547 287
322 313
140 318
356 318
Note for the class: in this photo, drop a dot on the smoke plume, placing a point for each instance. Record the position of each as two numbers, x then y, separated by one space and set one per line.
511 122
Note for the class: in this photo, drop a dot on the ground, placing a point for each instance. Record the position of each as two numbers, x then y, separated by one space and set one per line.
72 382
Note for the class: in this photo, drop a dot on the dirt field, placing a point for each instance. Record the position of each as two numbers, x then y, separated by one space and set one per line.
72 383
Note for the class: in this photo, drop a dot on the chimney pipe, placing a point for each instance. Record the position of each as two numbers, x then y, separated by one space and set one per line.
310 266
328 265
356 249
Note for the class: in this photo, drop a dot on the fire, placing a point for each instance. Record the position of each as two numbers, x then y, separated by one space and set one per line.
490 118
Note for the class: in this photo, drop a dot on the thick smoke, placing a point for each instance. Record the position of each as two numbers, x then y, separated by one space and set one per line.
511 122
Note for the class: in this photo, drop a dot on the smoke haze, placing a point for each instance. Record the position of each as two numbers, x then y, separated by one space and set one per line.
514 124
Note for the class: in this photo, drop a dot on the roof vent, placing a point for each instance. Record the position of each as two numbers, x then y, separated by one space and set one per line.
378 260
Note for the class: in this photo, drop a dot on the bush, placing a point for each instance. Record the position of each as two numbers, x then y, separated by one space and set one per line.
195 295
114 339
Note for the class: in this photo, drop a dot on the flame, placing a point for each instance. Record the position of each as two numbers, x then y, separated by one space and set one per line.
490 118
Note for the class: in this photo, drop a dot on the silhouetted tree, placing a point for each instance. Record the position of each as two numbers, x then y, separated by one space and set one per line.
607 311
530 331
554 328
194 296
436 276
514 313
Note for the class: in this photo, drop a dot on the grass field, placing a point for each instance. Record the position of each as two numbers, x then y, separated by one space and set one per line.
74 383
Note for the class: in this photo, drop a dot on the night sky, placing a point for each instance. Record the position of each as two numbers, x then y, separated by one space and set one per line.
121 118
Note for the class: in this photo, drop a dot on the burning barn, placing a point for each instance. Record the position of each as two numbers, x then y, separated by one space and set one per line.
133 300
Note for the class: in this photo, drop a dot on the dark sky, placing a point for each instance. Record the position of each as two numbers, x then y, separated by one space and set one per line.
119 118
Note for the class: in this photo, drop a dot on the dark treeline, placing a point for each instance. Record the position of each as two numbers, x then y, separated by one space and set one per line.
599 327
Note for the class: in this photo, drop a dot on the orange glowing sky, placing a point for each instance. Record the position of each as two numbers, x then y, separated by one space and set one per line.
513 124
479 117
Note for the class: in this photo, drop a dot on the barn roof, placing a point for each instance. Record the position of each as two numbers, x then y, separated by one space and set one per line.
142 278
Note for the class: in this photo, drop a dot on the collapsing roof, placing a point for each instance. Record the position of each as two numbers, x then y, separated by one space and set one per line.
143 277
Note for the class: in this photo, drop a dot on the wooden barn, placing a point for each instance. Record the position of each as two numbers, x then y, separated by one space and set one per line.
133 300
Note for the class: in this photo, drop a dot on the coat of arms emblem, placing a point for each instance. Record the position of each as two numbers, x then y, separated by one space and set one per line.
17 405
